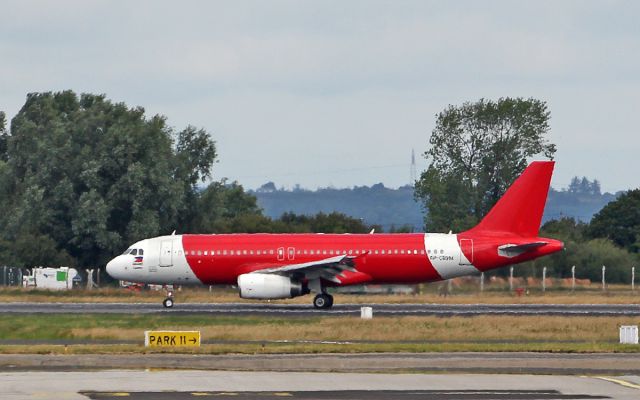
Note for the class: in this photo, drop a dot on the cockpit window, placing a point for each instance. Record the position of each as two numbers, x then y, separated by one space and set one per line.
127 251
140 252
134 252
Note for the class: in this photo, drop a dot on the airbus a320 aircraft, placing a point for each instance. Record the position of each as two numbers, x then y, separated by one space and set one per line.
282 266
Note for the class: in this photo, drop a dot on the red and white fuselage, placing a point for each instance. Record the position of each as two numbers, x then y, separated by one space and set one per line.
379 258
288 265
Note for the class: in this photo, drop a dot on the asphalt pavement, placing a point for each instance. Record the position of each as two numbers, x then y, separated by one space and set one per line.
336 310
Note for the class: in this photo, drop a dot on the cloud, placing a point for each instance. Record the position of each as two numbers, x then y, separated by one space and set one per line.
352 84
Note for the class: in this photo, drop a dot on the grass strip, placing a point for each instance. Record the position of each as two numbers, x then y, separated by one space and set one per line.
382 334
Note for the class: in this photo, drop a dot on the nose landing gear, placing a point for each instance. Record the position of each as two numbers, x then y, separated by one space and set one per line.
168 302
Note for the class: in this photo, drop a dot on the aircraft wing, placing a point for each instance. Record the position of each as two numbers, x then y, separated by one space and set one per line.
513 250
330 269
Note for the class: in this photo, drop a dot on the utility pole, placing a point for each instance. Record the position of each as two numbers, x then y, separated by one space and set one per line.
633 279
544 279
481 282
573 278
604 284
413 171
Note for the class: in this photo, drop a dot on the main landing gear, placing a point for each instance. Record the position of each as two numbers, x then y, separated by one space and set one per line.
323 300
168 302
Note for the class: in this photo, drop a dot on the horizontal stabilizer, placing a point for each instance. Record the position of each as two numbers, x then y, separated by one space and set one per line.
514 250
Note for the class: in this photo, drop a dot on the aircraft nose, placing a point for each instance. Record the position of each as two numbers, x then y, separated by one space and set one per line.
112 268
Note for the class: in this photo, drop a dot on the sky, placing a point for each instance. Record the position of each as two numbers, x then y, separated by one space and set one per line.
338 93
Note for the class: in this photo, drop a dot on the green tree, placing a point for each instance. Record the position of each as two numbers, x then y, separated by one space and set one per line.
619 221
476 151
3 136
324 223
195 155
227 208
95 176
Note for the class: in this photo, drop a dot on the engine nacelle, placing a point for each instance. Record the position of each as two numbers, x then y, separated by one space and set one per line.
267 286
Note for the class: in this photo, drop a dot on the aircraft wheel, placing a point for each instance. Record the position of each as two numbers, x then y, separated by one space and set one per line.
323 301
168 302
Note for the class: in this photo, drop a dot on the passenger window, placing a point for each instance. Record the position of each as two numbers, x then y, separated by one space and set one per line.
441 251
134 252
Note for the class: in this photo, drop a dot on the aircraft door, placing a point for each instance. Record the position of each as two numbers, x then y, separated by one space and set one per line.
291 253
466 251
280 253
166 253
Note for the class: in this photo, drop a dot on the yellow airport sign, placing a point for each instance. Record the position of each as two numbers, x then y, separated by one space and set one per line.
172 338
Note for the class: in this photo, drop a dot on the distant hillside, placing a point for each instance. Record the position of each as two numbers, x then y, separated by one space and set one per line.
396 207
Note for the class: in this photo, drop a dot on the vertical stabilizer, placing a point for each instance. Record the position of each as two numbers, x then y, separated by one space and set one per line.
520 210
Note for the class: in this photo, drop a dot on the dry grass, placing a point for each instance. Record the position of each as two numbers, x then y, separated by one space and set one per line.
390 329
617 295
251 334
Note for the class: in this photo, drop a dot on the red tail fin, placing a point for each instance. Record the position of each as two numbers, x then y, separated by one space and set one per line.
520 210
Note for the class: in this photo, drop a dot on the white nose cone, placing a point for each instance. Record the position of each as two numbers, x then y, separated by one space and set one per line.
112 268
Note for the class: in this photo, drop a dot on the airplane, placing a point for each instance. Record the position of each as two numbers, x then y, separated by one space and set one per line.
283 266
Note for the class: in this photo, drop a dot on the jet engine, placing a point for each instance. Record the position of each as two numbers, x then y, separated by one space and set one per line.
268 286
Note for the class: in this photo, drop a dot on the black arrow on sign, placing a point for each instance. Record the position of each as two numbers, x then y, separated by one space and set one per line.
193 340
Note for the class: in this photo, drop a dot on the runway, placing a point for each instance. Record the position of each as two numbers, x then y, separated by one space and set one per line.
167 384
337 310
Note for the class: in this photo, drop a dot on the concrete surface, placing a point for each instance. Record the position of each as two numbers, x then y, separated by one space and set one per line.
190 384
